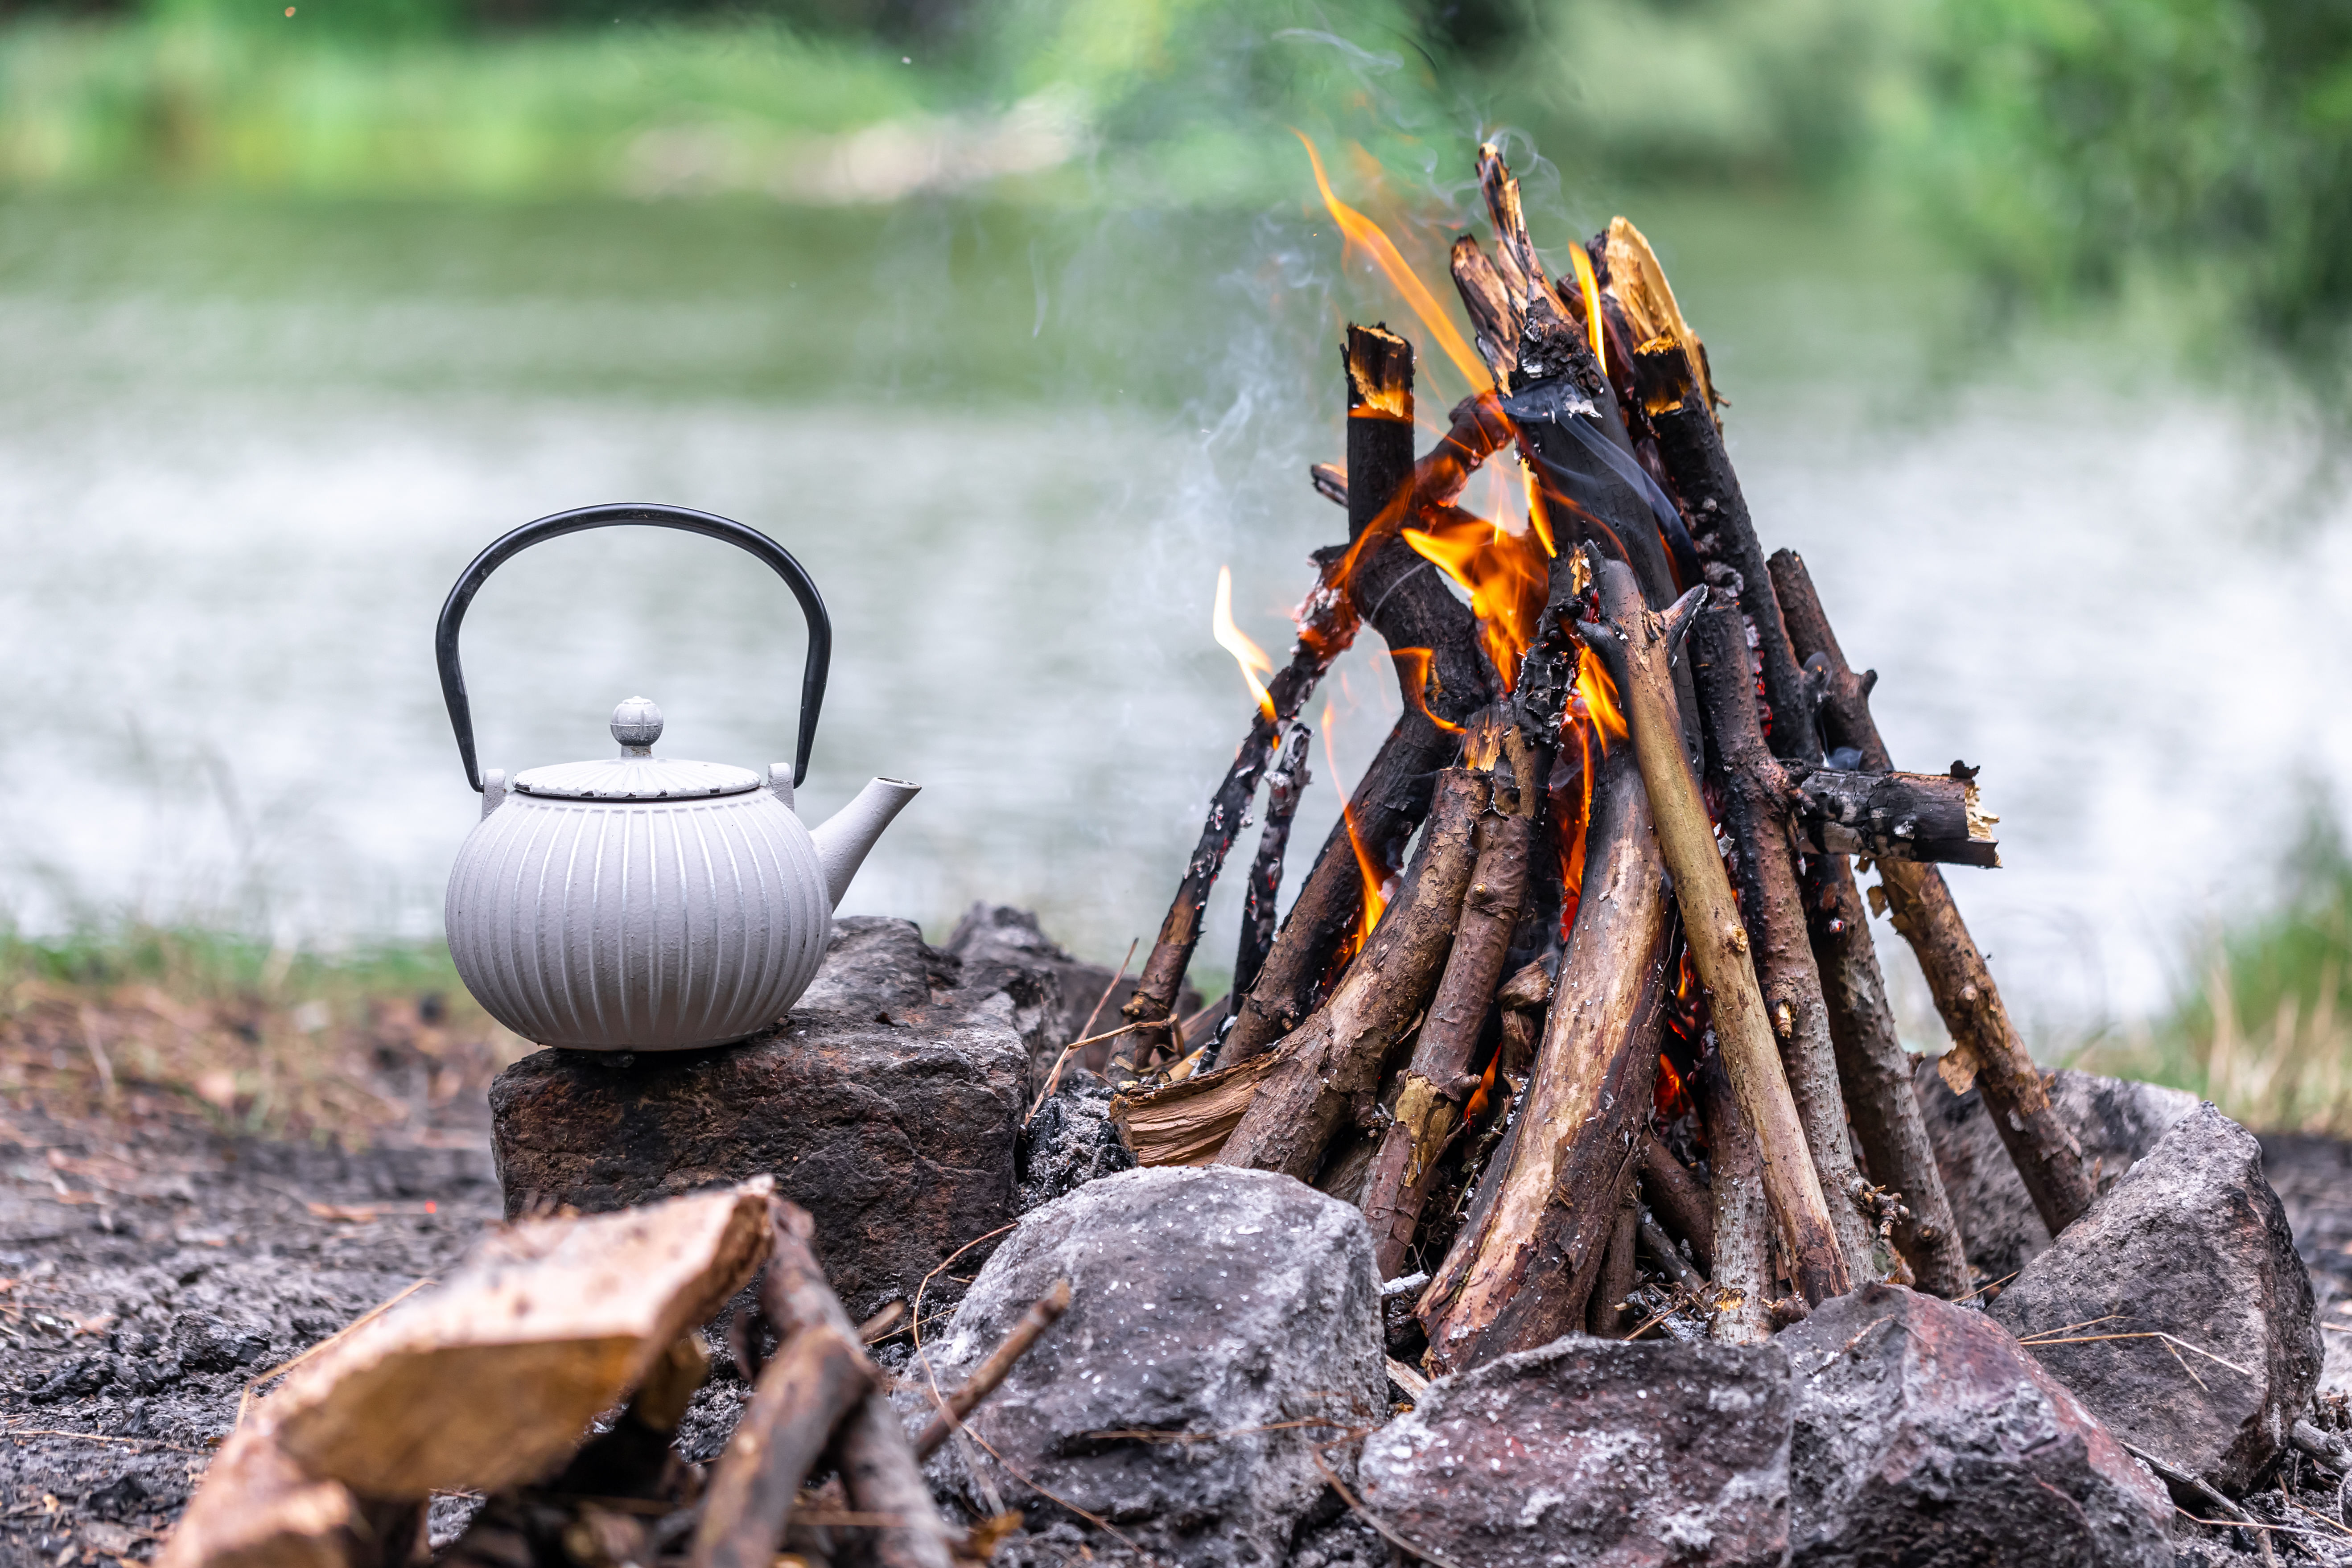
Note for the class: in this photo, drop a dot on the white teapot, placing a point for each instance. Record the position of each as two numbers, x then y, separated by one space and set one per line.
642 903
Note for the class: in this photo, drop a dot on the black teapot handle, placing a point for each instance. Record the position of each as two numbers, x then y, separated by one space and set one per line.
506 546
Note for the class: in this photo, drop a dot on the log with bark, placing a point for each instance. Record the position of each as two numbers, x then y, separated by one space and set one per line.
1986 1047
1330 1067
1638 648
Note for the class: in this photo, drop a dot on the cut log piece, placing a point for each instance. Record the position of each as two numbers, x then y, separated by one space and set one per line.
1638 648
815 1379
1986 1047
1186 1123
1898 816
1752 787
1523 1266
259 1509
1331 1065
1438 1082
489 1380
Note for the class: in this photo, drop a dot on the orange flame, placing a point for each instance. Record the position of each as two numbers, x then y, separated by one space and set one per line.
1235 641
1361 230
1589 286
1507 575
1412 674
1598 695
1369 868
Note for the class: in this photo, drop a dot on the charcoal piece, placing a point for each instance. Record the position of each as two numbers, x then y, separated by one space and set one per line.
1924 1435
1213 1312
2116 1120
1589 1451
2193 1245
1069 1143
885 1106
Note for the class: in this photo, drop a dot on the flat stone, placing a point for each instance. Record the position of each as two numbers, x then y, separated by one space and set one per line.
887 1104
1211 1311
2177 1310
1587 1451
2116 1119
1924 1435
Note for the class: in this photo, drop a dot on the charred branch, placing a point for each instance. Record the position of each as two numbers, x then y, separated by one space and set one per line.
1898 816
1986 1047
1284 786
1330 1067
1638 647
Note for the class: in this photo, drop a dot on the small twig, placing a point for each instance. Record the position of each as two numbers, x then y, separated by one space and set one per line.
882 1324
2036 1341
93 1437
1054 1077
994 1370
1988 1285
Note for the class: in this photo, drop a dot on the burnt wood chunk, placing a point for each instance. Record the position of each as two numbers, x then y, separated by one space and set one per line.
885 1108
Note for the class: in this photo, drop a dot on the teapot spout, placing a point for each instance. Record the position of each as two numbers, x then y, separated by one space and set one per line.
845 836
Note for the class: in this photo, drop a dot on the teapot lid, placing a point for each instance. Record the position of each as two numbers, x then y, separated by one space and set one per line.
637 774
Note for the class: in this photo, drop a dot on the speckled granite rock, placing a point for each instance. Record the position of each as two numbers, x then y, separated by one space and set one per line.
887 1105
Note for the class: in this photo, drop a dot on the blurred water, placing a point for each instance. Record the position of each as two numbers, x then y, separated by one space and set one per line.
242 456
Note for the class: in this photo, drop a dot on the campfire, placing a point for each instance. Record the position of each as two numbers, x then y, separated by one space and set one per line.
1551 1186
1629 941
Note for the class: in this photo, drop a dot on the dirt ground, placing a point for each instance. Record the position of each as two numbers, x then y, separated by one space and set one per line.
151 1265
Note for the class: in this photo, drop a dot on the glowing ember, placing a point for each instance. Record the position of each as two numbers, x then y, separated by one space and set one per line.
1235 641
1369 868
1361 230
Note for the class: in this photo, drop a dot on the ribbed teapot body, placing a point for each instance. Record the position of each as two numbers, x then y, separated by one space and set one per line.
643 925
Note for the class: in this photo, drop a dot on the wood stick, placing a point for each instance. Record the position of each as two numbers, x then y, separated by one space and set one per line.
1284 786
985 1377
815 1379
1896 817
878 1466
1332 1064
1607 1316
1660 1248
1752 787
1525 1262
1676 1193
1742 1267
1438 1082
1986 1047
1638 646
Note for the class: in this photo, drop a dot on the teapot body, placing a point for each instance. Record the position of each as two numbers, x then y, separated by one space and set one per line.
641 925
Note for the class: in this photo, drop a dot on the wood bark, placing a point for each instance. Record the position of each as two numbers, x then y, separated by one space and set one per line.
1331 1065
1284 786
816 1379
1986 1047
1043 1315
1638 647
1525 1261
878 1465
1607 1315
1753 789
1660 1248
1741 1270
1685 1206
1926 817
1438 1082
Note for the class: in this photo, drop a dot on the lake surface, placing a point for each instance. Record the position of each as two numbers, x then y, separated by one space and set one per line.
244 451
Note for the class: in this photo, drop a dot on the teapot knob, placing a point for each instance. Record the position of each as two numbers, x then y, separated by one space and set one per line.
637 724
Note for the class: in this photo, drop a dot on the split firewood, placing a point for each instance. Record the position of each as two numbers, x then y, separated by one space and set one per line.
1187 1122
1440 666
1438 1082
1676 1196
1638 647
1330 1067
879 1469
817 1376
1742 1267
259 1509
1043 1315
1284 784
1986 1047
1494 319
1526 1261
489 1380
1671 366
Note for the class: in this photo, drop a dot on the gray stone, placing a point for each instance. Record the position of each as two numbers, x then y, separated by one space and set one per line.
1590 1451
887 1104
1925 1435
1212 1308
2116 1121
2190 1253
